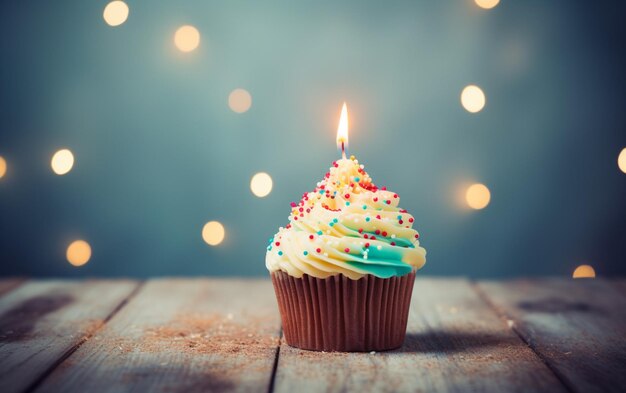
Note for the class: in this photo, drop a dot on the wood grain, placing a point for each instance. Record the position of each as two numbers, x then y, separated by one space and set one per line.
577 326
455 342
180 336
43 321
9 284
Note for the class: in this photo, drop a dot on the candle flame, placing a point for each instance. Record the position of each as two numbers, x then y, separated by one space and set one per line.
342 131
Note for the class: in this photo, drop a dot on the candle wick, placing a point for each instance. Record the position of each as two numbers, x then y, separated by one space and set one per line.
343 150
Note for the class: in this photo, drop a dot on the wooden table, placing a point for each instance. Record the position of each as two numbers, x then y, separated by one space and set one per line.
185 335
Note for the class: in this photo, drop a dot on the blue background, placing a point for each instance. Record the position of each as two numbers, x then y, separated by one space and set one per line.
159 153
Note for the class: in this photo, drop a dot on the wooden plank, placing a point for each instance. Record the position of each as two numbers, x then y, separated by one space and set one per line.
181 336
577 326
620 284
455 342
43 321
9 284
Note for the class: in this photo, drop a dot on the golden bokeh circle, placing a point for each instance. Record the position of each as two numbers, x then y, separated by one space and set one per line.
239 100
62 161
261 184
487 4
477 196
584 271
115 13
78 253
187 38
473 99
213 233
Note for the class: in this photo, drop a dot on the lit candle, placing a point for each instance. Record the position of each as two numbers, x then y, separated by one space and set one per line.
342 131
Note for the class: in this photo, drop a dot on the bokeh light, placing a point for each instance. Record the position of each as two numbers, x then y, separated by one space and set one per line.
3 167
78 253
261 184
239 100
584 271
187 38
62 161
621 160
487 4
115 13
213 233
477 196
473 99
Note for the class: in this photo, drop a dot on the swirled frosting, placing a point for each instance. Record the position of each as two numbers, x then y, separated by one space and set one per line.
346 225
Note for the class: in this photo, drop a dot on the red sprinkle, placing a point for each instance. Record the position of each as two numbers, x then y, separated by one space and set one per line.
378 216
375 199
384 188
347 249
378 231
417 235
277 244
388 201
365 236
393 243
293 204
347 196
318 249
400 222
411 219
360 230
395 195
367 245
311 237
384 233
373 237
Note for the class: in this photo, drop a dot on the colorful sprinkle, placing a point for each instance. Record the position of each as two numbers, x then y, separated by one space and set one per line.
364 207
320 233
277 244
311 237
306 253
384 234
411 219
280 253
318 250
360 230
367 245
367 219
393 243
347 249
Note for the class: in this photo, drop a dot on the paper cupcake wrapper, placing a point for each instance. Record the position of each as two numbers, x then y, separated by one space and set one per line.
340 314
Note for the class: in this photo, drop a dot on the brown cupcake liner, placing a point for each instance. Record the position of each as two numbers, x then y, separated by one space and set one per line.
340 314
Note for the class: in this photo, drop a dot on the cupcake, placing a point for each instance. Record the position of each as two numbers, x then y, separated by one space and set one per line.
343 268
